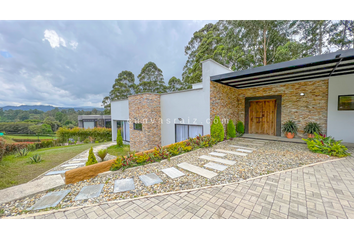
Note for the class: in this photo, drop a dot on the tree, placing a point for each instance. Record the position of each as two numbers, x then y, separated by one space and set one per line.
342 34
151 79
37 129
119 138
91 158
174 84
24 115
52 123
231 130
46 129
59 116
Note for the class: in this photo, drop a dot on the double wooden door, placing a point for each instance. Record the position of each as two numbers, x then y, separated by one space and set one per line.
262 117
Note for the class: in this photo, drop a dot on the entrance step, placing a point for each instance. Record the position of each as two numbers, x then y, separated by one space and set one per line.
215 166
219 160
173 172
150 179
218 154
197 170
231 152
89 192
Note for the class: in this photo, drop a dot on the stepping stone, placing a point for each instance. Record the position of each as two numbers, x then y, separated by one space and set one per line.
197 170
124 185
50 200
80 159
215 166
150 179
56 172
72 167
88 192
242 147
218 154
219 160
244 150
231 152
252 144
173 172
72 164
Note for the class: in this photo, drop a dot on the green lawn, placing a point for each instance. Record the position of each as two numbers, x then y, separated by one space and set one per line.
118 151
31 136
16 170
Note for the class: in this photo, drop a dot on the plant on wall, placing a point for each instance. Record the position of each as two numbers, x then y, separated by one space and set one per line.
91 158
217 129
311 128
326 145
119 139
290 129
230 130
240 128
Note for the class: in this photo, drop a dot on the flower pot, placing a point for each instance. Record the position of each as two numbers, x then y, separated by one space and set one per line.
290 135
309 135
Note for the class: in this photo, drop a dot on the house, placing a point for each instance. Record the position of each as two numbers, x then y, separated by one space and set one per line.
318 89
91 121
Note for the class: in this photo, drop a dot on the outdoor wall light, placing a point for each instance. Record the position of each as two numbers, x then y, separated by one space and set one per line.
302 94
179 119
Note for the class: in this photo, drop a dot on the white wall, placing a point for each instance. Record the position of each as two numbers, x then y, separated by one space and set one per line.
340 124
191 105
119 111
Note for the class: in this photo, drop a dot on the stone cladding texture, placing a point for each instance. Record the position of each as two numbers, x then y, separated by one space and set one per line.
229 103
145 109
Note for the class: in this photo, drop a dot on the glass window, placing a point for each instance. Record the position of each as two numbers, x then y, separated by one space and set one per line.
185 131
346 102
138 126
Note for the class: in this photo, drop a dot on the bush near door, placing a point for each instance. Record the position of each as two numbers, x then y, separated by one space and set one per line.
240 128
217 130
230 130
326 145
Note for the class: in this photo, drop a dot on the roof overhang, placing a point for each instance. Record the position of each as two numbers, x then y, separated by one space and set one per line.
322 66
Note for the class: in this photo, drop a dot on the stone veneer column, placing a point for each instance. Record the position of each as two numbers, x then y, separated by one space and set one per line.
146 109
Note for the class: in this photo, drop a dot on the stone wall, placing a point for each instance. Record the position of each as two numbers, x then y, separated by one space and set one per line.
302 109
145 109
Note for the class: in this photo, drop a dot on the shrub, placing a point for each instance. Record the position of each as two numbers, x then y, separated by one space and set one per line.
2 148
290 127
312 127
142 158
22 152
36 158
217 129
47 143
117 164
91 158
175 149
119 138
240 128
230 130
326 145
86 140
202 142
161 153
64 134
102 153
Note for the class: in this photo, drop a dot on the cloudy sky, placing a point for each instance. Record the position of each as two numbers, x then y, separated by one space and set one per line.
74 63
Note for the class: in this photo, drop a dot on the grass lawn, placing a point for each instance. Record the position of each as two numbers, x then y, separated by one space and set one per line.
31 136
16 170
118 151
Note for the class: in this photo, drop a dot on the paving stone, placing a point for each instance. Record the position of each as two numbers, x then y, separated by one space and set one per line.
68 168
197 170
50 200
123 185
252 144
80 159
231 152
72 165
56 172
215 166
242 147
219 160
244 150
218 154
173 172
89 192
150 179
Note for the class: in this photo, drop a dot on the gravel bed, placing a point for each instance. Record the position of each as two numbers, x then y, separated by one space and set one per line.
271 157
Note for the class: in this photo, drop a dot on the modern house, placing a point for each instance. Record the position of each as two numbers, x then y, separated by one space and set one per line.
317 89
91 121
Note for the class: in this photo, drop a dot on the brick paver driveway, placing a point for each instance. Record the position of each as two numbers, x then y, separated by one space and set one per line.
324 190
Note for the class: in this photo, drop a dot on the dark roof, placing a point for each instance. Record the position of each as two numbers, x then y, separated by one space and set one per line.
322 66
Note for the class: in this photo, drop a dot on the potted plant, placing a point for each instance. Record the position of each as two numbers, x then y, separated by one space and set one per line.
290 129
311 128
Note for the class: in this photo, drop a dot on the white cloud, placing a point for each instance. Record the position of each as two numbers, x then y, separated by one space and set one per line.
73 44
53 39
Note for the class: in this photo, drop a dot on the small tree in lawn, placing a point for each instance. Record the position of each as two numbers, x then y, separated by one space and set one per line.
91 158
119 139
217 129
230 130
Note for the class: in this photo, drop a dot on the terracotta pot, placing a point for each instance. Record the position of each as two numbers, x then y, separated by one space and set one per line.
310 135
290 135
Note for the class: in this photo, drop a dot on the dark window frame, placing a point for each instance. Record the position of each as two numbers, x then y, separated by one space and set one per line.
188 129
347 95
134 126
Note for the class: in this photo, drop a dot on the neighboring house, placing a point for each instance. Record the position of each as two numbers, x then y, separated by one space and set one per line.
319 89
91 121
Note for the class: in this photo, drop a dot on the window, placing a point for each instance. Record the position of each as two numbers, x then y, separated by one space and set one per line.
138 126
346 102
123 126
184 131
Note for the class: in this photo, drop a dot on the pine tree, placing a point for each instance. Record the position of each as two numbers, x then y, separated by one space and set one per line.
217 130
119 138
231 130
91 158
151 79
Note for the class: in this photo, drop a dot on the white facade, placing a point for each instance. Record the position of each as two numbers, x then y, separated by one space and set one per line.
340 123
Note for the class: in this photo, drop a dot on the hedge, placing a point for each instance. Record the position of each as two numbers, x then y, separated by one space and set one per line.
103 134
15 127
10 148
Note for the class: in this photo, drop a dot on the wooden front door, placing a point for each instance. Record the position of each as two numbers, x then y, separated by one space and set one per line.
262 117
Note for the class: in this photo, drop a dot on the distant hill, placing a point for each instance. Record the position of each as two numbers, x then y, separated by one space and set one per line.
46 108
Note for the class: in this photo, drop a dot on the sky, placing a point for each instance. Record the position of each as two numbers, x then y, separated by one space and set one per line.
75 63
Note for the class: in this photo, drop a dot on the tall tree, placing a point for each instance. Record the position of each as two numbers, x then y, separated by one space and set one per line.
342 34
151 79
174 84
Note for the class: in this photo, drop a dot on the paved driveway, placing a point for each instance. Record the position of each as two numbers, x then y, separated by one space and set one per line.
324 190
